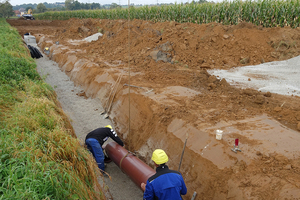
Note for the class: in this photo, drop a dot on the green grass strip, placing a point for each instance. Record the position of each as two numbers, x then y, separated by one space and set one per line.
39 158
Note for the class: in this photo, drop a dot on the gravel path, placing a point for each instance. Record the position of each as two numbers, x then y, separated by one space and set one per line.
84 115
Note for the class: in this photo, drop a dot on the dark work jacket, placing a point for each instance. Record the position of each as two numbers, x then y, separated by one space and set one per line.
102 134
166 184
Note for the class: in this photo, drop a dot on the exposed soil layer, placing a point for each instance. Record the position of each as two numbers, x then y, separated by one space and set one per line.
179 99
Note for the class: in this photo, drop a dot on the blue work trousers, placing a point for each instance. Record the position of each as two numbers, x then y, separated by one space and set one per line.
96 149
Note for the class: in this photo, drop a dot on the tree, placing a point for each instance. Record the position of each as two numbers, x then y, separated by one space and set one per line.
6 9
114 6
202 1
95 6
69 4
29 7
40 8
77 5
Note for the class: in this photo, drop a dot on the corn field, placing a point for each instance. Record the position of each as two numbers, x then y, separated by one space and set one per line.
268 13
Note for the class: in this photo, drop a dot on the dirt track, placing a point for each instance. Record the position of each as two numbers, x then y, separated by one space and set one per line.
186 99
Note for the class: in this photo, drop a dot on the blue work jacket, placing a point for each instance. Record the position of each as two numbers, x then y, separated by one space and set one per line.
166 184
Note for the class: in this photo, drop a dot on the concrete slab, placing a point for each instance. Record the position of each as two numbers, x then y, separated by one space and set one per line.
281 77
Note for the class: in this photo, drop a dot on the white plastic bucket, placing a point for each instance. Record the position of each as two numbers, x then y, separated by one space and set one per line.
219 134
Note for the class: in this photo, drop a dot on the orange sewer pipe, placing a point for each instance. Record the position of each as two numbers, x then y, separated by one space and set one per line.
136 169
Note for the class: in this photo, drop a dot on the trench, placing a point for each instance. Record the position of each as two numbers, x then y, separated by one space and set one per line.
176 103
84 114
208 163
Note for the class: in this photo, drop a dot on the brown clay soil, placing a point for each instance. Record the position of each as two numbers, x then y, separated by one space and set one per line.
179 99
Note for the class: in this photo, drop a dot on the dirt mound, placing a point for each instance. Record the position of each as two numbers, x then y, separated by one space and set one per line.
207 46
170 60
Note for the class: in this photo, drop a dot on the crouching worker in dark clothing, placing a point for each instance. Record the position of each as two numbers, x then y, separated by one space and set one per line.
166 184
95 139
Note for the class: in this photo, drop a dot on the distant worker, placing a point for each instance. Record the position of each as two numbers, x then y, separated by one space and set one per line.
166 184
96 138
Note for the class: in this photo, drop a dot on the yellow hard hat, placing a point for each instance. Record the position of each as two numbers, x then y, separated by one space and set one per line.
46 48
159 156
108 126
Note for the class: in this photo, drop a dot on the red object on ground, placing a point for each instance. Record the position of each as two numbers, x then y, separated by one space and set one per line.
236 142
137 170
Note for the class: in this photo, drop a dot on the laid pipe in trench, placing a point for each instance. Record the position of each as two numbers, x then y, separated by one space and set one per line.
136 169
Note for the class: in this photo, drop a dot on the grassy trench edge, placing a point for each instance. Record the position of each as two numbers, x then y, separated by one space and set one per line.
40 156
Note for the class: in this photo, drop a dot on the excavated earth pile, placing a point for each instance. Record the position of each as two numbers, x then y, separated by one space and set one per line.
177 98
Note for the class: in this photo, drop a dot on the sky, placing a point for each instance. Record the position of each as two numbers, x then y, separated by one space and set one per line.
102 2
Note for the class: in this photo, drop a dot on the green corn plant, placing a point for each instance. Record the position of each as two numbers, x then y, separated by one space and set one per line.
268 13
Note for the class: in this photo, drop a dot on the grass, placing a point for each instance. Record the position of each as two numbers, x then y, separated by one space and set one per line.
39 156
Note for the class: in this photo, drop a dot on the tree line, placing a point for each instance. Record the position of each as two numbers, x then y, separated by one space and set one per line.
6 9
76 5
34 5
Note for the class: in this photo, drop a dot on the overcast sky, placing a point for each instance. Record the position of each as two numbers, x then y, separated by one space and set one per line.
122 2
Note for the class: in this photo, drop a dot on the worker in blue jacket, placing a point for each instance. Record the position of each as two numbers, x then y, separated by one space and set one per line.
96 138
166 184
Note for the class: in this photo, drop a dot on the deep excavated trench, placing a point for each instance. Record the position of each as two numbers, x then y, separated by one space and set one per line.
207 161
191 102
84 114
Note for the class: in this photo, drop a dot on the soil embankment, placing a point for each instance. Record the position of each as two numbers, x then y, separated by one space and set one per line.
178 98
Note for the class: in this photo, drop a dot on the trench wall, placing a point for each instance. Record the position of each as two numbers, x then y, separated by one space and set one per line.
147 130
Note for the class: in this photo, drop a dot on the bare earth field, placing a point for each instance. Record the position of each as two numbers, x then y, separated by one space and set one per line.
180 99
